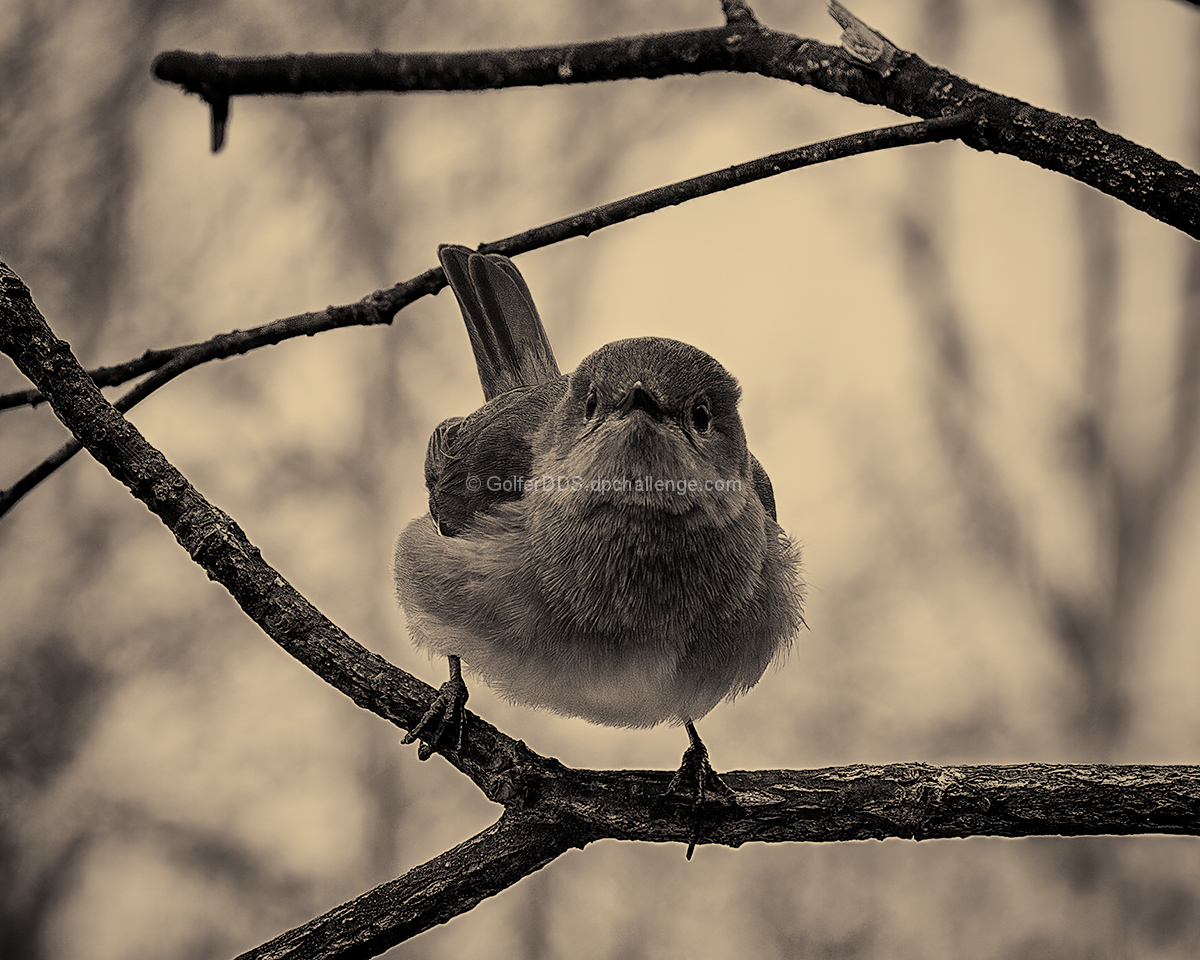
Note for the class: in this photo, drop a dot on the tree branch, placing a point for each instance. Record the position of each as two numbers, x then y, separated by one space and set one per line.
908 801
435 892
375 308
550 807
738 11
112 376
890 77
378 307
220 547
382 305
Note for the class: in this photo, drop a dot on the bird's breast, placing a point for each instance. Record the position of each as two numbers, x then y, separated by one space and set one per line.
626 570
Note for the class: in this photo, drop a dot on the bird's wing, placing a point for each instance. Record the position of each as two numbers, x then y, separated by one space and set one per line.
762 486
510 344
475 463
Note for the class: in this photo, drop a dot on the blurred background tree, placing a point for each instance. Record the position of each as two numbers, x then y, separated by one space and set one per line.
974 383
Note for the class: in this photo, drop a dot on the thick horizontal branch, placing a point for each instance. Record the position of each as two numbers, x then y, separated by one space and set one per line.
899 80
911 801
562 808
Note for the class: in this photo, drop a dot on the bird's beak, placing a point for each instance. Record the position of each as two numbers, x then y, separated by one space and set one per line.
638 397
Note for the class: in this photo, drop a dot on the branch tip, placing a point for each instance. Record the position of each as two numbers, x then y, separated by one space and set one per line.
738 11
219 111
864 43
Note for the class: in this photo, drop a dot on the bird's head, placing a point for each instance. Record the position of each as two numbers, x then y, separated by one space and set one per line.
651 422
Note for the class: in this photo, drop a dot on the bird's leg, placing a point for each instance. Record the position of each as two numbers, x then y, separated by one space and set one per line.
444 716
697 778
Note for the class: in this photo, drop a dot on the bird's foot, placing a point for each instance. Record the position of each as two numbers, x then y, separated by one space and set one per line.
444 721
696 779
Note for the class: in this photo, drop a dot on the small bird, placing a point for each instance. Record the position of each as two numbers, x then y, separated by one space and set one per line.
601 544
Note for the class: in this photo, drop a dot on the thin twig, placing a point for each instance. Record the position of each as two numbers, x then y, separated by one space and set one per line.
883 138
375 308
112 376
382 305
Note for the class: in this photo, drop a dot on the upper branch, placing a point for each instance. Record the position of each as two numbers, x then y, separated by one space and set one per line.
213 76
867 68
381 306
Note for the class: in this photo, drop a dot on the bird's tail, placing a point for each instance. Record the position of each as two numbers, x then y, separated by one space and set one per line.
510 343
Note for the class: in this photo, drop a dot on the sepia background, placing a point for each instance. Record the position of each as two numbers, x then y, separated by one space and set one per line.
973 382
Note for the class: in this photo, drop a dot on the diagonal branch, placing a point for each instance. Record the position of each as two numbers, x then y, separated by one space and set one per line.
382 305
894 78
435 892
221 548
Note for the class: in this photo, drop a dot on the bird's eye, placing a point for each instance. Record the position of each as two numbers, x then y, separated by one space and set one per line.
701 416
589 408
